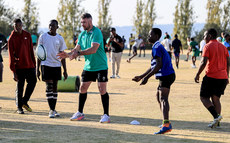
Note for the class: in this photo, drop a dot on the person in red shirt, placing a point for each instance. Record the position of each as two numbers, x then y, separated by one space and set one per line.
215 58
22 64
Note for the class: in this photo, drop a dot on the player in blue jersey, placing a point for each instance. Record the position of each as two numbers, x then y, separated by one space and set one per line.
161 66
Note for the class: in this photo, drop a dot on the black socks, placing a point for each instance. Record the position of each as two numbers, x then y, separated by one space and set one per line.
105 103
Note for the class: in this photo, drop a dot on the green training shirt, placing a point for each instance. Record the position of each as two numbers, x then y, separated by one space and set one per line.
98 60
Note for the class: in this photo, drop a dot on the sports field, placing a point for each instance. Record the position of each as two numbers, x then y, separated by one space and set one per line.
128 102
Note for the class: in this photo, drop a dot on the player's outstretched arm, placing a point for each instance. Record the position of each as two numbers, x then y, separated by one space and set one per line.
138 78
152 71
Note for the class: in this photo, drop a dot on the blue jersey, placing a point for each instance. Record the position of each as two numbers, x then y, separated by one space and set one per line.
158 50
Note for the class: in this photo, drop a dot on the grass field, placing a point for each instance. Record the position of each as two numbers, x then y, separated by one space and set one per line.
128 101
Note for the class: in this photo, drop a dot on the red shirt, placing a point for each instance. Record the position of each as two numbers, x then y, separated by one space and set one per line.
217 55
21 53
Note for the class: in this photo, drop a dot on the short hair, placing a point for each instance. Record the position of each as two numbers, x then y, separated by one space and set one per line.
157 31
176 36
112 29
212 32
17 20
86 15
226 35
192 39
54 20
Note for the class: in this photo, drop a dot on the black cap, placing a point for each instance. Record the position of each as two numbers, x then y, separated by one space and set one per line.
112 29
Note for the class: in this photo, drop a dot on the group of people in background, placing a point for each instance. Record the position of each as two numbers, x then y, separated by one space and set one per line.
90 43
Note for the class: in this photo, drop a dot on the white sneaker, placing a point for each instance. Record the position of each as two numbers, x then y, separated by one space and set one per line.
105 119
118 76
193 66
113 76
77 116
56 113
51 114
215 122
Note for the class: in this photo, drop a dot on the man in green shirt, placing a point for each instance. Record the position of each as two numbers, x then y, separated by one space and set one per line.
195 51
90 44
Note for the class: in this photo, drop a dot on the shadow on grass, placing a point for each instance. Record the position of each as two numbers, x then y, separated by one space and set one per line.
177 124
36 132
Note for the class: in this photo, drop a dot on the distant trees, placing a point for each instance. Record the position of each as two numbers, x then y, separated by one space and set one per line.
69 18
104 19
183 20
218 17
7 16
30 17
144 17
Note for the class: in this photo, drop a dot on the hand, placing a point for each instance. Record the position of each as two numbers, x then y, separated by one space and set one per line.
144 81
62 55
65 75
137 78
197 78
15 77
73 55
38 74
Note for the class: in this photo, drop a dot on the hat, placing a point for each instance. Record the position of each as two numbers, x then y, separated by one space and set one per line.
112 29
139 35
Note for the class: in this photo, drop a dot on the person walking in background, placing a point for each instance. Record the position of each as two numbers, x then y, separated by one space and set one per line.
161 66
136 45
51 67
22 64
189 49
167 44
116 43
90 44
215 59
227 42
177 47
3 45
131 42
34 39
124 41
142 47
202 44
195 51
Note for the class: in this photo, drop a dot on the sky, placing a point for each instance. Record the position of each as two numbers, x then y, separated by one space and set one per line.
121 11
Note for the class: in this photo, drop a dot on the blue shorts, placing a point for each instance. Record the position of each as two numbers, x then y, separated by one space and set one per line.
177 54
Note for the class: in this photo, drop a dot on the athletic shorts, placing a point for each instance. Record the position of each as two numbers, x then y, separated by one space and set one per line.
211 86
100 76
196 53
50 73
166 81
134 49
142 47
177 54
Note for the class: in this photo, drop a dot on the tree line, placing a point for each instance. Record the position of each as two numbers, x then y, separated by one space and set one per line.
70 11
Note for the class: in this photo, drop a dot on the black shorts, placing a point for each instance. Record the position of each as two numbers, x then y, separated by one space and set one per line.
134 49
166 81
211 86
142 47
100 76
50 73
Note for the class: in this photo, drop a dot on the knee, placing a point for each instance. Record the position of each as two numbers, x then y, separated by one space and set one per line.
49 87
163 99
83 89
